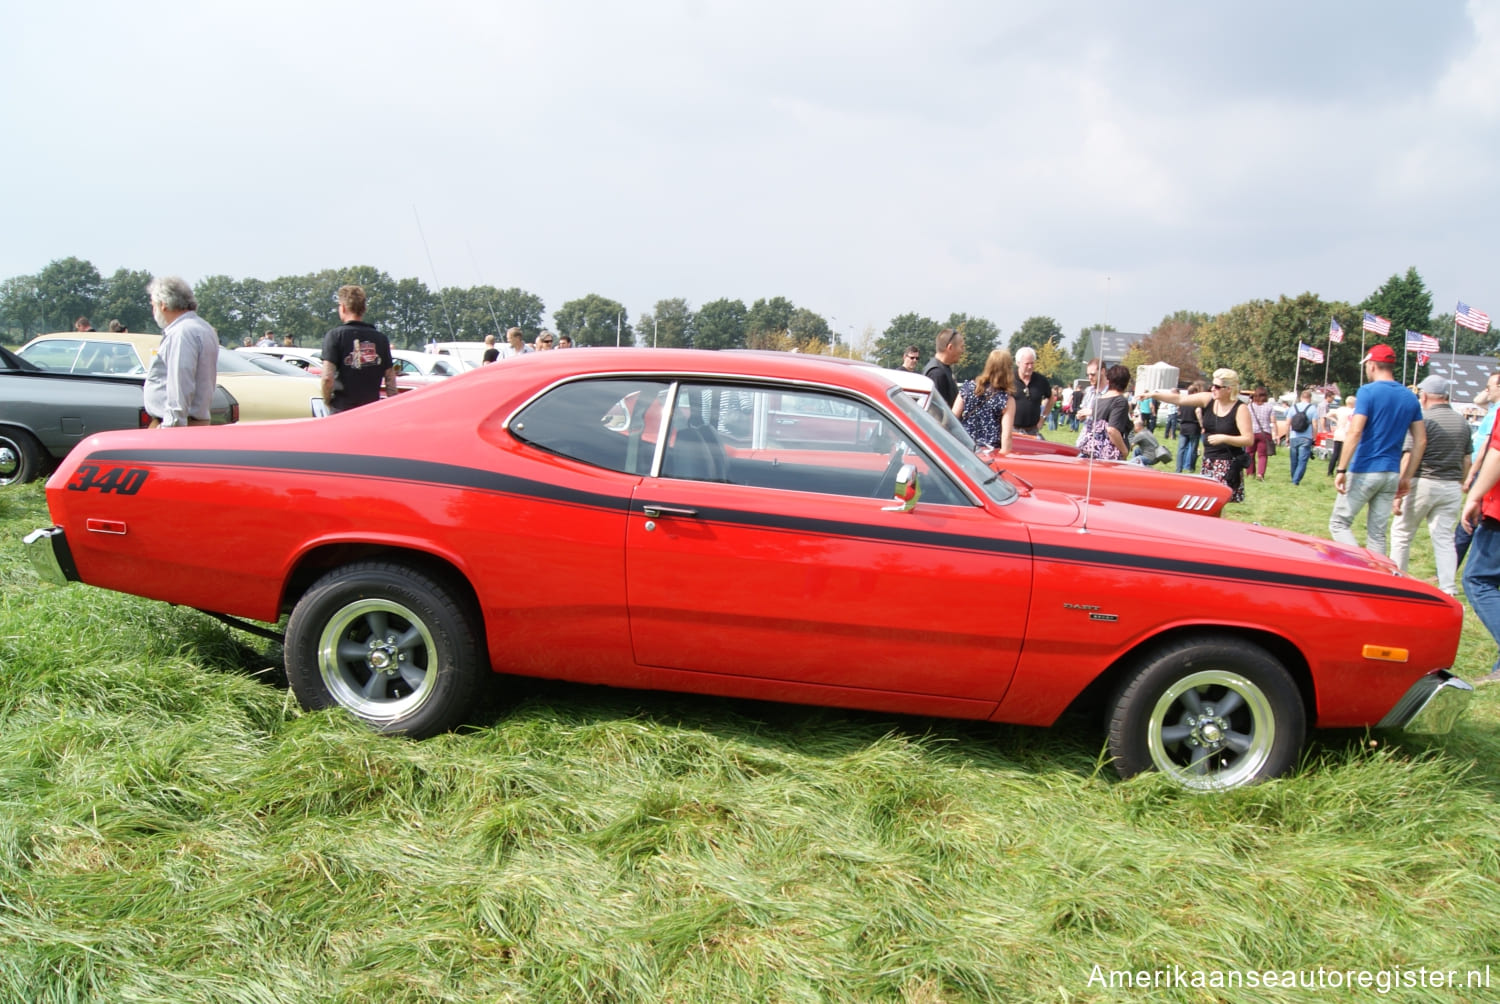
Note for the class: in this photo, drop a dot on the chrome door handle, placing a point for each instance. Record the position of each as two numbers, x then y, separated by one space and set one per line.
655 511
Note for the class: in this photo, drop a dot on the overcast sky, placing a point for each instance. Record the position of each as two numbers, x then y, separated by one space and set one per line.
1087 161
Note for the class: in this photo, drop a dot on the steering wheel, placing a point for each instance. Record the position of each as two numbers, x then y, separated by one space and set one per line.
886 487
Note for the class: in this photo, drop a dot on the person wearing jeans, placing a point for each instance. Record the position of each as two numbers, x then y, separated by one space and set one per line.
1369 472
1190 432
1481 517
1299 444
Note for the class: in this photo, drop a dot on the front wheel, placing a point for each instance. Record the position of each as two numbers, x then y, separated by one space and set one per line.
20 457
1212 715
392 646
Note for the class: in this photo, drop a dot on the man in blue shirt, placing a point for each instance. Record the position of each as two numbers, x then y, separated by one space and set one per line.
1370 465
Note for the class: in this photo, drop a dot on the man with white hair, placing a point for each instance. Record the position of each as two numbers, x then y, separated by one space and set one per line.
1033 394
180 381
1436 497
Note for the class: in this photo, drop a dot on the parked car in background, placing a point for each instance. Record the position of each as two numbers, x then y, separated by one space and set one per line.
43 414
428 364
261 395
709 541
306 362
471 354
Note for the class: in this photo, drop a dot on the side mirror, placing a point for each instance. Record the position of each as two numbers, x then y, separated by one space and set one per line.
908 489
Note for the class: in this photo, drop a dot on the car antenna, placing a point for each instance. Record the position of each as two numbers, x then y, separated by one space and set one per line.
1088 481
447 315
488 303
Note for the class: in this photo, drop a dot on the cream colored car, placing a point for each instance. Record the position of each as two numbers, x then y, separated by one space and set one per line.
262 396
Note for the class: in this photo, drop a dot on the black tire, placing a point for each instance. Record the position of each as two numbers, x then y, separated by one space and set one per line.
1211 714
394 647
20 456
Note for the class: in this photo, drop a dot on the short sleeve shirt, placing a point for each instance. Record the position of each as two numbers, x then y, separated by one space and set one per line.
1389 410
1029 398
361 356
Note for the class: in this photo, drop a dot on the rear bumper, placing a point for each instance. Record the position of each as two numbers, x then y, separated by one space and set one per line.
1431 706
50 556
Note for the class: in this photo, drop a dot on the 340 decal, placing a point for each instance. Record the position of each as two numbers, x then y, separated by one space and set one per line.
120 480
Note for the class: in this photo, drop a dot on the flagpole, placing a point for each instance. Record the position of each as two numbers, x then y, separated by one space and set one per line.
1361 355
1405 352
1297 373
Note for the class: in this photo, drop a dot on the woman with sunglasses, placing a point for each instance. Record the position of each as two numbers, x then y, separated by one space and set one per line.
1227 433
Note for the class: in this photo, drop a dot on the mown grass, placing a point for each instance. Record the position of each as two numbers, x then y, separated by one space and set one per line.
172 828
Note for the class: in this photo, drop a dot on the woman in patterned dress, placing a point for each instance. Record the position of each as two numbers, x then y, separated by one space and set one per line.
1226 428
987 406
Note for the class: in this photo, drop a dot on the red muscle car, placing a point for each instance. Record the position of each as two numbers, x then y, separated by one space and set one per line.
724 524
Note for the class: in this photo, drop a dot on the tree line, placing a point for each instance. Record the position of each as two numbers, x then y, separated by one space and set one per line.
1257 338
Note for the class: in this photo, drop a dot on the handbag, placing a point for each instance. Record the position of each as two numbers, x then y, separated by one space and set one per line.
1095 441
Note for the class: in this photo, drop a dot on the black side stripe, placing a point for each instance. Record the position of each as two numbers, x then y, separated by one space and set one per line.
452 475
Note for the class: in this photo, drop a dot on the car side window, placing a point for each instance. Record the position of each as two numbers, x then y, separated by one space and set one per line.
610 423
57 355
808 441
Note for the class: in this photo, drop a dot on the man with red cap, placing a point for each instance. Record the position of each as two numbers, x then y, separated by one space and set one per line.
1370 465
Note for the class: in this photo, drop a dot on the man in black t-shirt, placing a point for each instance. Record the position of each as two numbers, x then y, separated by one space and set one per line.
939 369
1033 394
356 357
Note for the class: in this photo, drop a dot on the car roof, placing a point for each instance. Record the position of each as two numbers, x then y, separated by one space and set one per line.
793 366
145 345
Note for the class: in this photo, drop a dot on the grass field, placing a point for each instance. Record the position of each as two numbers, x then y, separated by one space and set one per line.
172 828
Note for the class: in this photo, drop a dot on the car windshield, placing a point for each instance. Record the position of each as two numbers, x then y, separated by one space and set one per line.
234 362
945 430
278 366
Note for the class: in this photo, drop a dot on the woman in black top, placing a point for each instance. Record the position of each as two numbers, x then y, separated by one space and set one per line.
1109 425
1226 428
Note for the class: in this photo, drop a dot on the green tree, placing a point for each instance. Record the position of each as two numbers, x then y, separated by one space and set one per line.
808 326
981 337
517 308
766 318
67 289
125 300
1035 332
222 302
907 329
669 326
720 324
288 309
20 309
408 314
1405 301
595 320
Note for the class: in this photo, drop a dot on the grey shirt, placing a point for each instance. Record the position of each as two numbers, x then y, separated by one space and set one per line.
180 380
1447 444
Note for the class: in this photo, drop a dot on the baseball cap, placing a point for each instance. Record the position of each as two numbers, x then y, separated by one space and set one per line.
1380 354
1436 386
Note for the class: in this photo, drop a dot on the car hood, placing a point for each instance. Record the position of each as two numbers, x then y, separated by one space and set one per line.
1166 532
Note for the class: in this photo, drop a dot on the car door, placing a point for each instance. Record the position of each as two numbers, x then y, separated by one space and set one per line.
749 554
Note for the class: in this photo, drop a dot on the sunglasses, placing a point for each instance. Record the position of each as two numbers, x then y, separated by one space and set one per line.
1217 386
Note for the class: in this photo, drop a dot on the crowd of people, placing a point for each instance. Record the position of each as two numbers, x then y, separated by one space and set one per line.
1404 456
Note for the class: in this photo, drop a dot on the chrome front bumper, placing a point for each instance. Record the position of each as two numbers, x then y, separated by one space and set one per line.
1431 706
50 556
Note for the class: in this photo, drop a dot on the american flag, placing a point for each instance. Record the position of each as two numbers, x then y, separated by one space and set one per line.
1418 342
1377 325
1306 351
1466 315
1335 332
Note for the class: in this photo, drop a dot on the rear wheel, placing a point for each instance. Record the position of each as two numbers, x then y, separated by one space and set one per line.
20 456
1212 715
394 647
